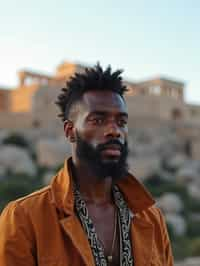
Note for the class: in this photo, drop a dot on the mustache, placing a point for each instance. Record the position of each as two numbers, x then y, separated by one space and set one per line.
103 146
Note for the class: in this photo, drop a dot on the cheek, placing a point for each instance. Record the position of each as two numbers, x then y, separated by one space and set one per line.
91 135
95 138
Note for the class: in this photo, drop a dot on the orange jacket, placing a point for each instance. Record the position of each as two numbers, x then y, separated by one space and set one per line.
42 229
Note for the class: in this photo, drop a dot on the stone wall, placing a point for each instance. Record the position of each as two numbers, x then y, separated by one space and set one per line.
15 120
44 110
5 99
157 106
21 98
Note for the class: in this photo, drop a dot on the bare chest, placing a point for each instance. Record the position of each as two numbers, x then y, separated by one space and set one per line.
106 225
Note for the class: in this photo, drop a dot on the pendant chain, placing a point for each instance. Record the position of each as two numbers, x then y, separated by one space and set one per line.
109 257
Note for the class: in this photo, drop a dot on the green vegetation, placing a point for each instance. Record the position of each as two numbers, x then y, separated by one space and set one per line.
16 139
18 185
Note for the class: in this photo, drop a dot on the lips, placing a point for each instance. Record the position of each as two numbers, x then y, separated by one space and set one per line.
112 150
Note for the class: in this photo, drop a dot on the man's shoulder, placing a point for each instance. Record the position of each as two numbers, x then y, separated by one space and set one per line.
154 215
30 202
34 196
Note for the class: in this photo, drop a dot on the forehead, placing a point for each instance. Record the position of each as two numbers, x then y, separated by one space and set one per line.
107 101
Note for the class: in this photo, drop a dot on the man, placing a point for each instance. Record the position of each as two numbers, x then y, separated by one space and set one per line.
94 212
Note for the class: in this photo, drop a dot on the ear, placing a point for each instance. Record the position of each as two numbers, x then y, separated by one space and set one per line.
69 130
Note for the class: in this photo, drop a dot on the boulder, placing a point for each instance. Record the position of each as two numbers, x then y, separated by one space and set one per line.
195 261
170 203
195 147
48 177
189 172
16 160
170 145
176 161
142 150
52 152
143 167
165 175
193 190
177 222
3 134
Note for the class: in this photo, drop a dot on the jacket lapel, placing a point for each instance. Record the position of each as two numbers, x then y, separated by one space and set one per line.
74 231
142 241
63 198
137 198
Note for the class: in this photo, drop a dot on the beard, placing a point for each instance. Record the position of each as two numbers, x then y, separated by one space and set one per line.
103 168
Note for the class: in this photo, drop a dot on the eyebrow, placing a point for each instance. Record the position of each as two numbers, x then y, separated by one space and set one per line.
105 113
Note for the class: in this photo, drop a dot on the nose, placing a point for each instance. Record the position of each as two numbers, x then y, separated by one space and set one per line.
112 131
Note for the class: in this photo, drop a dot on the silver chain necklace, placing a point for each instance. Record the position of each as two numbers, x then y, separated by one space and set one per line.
98 250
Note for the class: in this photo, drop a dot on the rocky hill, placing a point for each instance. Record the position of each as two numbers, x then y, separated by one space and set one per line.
158 157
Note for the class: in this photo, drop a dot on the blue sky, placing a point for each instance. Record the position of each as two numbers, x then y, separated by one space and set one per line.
145 38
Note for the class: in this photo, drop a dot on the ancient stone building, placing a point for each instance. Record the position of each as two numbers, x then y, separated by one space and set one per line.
31 104
5 99
159 87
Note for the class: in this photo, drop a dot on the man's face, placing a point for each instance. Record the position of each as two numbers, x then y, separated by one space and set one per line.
101 133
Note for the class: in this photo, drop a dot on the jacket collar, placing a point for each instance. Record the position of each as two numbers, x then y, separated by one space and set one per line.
136 196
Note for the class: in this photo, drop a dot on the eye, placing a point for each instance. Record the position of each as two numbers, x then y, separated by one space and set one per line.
122 122
96 120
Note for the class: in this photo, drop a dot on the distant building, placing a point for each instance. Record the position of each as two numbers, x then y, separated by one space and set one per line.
31 104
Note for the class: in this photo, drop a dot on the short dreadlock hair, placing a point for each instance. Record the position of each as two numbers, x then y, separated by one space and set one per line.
92 79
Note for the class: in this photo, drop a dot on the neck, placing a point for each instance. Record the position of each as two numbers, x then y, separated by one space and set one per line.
93 189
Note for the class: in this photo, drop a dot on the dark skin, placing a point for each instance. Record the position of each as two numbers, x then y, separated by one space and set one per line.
100 116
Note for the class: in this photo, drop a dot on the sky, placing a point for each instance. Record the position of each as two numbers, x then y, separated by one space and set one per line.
145 38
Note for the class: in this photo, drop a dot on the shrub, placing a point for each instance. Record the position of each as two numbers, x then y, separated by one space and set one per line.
16 139
195 247
193 228
16 186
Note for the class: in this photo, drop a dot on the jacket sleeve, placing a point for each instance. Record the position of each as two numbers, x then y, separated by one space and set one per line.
166 241
16 242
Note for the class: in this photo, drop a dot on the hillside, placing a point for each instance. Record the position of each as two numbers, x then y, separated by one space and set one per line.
158 157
